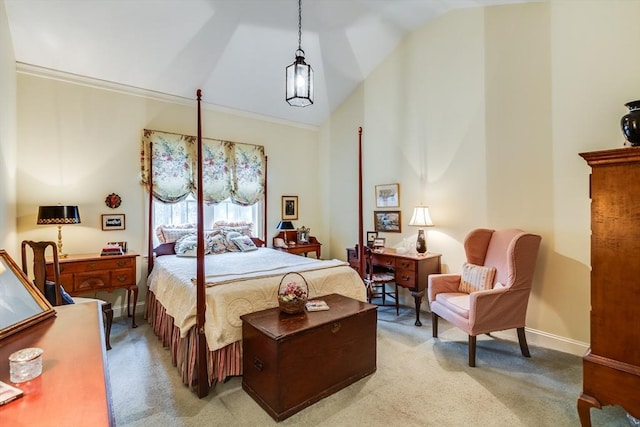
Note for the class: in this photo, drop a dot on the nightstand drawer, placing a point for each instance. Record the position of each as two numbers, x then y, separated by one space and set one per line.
122 277
406 264
384 261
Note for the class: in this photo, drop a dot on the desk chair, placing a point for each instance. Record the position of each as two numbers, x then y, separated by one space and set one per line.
377 280
53 290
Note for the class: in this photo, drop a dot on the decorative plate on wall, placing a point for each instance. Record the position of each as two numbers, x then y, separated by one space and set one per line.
113 200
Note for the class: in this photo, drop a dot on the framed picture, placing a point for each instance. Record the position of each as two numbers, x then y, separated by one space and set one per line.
379 242
113 222
371 236
289 207
387 221
21 303
388 196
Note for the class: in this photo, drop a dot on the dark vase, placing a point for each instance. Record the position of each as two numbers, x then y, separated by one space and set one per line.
630 123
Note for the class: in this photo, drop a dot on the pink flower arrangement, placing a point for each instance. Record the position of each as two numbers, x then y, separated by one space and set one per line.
292 292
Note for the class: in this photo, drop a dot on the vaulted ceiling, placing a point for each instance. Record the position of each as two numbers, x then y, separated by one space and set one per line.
236 51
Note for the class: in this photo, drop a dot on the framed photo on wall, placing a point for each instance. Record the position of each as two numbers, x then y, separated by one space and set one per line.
387 221
388 196
289 207
113 222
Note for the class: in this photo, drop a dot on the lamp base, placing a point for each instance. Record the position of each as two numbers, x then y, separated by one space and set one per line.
421 243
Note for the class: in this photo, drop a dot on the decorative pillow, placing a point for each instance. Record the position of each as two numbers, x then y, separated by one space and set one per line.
476 278
244 243
171 233
229 236
187 245
50 293
216 244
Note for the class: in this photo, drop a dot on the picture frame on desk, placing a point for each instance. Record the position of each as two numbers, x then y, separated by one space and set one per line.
371 236
113 222
21 304
387 221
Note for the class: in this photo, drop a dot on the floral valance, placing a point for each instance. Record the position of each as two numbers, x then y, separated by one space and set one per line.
230 170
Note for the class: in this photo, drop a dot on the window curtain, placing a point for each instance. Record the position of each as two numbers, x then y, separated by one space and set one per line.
230 170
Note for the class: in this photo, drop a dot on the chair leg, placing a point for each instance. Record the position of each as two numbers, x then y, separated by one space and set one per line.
397 302
524 348
472 350
108 314
434 325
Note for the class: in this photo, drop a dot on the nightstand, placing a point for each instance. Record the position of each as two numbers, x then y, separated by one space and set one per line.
300 248
90 273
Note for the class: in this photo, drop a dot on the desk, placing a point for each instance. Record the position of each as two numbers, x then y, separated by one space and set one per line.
84 273
300 248
73 389
411 271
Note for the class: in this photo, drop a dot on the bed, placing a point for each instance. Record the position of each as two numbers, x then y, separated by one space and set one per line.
195 300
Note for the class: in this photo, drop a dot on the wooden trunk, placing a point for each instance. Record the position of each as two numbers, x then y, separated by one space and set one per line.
291 361
612 365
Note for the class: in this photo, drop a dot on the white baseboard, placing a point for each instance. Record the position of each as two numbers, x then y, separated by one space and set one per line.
547 340
121 309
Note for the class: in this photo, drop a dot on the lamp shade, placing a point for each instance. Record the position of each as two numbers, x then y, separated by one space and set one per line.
285 225
299 82
58 215
421 217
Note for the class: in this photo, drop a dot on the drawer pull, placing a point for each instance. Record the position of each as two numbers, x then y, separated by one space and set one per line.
122 263
122 278
404 278
257 363
335 327
92 265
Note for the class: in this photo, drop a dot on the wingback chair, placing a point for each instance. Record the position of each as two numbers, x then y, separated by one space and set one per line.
503 303
53 290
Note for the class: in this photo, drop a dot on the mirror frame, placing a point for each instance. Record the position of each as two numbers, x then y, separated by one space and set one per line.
25 289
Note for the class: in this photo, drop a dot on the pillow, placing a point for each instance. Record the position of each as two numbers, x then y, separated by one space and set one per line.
216 244
171 233
50 293
229 236
187 245
165 249
476 278
244 243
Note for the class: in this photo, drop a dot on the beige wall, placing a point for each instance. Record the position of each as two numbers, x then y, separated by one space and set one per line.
8 237
481 115
78 143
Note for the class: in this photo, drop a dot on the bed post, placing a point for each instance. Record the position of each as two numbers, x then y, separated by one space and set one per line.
264 220
360 221
201 343
150 220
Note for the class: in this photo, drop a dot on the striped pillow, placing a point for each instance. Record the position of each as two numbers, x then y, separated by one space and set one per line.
476 278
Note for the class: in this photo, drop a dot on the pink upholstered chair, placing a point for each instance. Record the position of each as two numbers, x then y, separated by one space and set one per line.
503 305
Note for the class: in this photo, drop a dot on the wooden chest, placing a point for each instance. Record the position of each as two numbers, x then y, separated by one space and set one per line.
291 361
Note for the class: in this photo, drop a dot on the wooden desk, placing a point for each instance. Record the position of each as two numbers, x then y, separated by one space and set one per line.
73 389
86 273
411 271
300 248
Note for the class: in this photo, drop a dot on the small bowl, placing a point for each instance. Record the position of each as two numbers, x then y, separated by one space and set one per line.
25 364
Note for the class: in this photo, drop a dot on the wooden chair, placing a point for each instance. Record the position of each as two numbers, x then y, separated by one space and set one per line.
53 290
377 280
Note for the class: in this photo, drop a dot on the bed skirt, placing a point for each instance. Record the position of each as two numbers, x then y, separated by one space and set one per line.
221 363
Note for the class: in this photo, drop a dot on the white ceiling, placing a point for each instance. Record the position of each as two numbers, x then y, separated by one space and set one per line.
236 51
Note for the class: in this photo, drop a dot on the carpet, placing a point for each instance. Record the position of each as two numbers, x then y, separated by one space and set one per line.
420 381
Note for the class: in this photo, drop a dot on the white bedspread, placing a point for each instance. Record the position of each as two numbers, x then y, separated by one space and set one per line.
240 283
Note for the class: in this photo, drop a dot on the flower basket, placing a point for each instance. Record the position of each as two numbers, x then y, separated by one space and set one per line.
292 293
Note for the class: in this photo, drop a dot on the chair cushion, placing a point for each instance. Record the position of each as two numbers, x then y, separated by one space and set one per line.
455 302
476 278
50 294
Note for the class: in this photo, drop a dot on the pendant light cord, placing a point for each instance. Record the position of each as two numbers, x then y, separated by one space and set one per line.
299 24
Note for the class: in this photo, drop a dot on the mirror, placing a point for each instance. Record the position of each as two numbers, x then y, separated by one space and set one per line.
21 303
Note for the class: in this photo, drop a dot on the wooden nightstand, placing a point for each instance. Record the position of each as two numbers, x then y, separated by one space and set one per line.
300 248
87 273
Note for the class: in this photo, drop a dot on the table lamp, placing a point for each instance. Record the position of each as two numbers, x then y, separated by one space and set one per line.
421 218
58 215
285 225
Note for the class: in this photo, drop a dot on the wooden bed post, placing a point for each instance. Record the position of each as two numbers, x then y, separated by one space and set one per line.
264 221
201 343
360 220
150 220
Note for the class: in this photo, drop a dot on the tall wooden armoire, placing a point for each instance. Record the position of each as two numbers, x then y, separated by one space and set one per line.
611 367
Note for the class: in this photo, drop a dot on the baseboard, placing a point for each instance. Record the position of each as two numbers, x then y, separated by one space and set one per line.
121 309
547 340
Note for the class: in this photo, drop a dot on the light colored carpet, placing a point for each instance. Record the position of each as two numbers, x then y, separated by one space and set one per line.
420 381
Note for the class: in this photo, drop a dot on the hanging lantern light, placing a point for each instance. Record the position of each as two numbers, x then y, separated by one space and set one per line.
299 76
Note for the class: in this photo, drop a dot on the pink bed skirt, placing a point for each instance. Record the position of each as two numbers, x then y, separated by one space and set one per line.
221 363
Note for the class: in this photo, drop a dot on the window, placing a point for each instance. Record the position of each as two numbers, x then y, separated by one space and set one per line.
186 212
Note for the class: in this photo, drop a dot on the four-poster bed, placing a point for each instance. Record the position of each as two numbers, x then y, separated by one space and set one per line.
198 318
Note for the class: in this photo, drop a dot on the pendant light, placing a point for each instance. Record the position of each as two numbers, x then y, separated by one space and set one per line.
299 77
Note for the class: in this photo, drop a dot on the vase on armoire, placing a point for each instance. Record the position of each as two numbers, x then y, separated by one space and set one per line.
630 123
